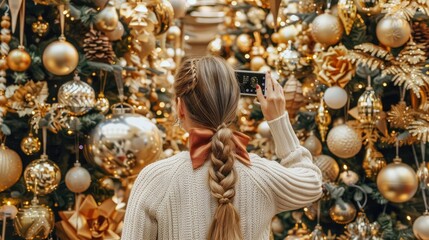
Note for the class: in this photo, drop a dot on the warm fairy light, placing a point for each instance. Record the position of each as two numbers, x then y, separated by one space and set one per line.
8 203
360 86
159 112
162 89
409 218
247 56
384 84
305 209
186 37
345 167
162 104
93 74
233 3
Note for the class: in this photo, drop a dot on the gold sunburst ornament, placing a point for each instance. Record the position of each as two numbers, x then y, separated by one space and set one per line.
400 115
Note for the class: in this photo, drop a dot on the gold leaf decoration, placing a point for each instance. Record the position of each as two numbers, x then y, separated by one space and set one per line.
420 130
400 115
413 53
391 140
25 98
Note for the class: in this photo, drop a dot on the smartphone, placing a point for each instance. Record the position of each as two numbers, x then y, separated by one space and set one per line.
248 81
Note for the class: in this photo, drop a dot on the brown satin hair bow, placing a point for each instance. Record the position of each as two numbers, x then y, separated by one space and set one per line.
200 146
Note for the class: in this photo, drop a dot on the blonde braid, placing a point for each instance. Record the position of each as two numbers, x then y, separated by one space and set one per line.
222 179
194 79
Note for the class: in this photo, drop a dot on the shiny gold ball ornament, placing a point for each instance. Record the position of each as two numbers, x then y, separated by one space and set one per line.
244 42
117 33
256 63
328 166
393 31
342 213
288 61
10 167
60 57
18 60
34 222
77 96
369 108
327 29
78 179
313 144
421 227
30 144
102 104
397 182
107 19
369 7
287 33
40 27
343 141
124 144
42 176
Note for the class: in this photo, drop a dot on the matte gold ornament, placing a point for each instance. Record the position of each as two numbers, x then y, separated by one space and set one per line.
30 144
124 144
244 42
34 221
42 176
40 27
323 119
369 107
18 60
60 57
342 213
327 29
347 12
77 96
393 31
369 7
343 141
313 144
10 167
78 179
328 166
107 19
397 182
293 96
421 227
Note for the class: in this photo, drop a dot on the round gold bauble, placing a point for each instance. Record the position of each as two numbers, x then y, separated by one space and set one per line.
397 182
233 62
60 58
117 33
102 104
342 213
77 96
18 60
288 61
107 19
275 37
216 47
369 7
421 227
313 144
343 141
78 179
327 29
287 33
328 166
42 176
34 222
393 31
256 63
124 144
244 42
3 63
30 145
10 167
277 226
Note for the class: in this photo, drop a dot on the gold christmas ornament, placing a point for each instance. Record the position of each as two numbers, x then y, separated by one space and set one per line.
124 144
244 42
102 104
327 29
313 144
288 33
423 174
288 61
77 96
393 31
40 27
42 176
400 115
164 14
116 34
10 167
373 162
30 144
369 7
323 119
264 130
397 182
335 97
421 227
174 32
347 12
361 228
78 179
342 213
216 46
328 166
293 96
34 221
60 57
256 63
369 107
107 19
18 60
343 141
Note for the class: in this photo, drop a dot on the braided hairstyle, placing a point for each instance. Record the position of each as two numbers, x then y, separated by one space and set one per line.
210 92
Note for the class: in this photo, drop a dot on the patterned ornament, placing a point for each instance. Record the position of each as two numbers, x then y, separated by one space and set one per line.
328 166
78 179
343 141
369 108
10 167
347 12
293 96
107 19
77 96
400 115
60 57
97 47
42 176
421 227
40 27
327 29
323 119
34 221
30 144
393 31
342 213
362 229
397 182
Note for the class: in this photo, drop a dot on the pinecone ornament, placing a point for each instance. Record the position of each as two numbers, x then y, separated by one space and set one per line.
97 47
421 35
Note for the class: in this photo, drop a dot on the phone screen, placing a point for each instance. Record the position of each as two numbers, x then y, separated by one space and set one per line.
248 81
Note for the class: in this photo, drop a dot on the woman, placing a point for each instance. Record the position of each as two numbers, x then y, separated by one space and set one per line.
217 190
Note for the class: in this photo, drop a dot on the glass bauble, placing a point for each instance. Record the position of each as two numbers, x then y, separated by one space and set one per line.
342 213
60 57
77 96
42 176
124 144
78 179
34 222
30 145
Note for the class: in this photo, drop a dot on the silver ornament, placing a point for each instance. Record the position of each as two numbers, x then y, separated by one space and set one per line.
77 96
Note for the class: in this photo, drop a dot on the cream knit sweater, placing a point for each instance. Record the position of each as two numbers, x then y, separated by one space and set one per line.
170 200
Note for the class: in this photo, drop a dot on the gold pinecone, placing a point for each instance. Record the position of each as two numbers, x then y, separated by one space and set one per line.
97 47
421 35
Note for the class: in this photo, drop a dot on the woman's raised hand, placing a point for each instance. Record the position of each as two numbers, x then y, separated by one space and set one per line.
273 104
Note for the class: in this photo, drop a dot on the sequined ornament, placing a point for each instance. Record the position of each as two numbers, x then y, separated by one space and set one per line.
347 12
77 96
42 176
40 27
34 221
30 144
288 61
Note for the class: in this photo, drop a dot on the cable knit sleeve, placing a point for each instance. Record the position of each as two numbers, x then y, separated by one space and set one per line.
296 181
140 222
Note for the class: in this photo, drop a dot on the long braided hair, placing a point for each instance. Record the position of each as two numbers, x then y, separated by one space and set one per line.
210 92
